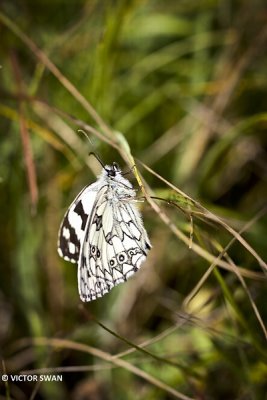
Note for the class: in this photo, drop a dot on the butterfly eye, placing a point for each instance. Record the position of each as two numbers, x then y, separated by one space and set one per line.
131 252
111 172
98 253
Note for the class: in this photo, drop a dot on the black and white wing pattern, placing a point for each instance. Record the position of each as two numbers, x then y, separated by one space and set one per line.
109 241
72 229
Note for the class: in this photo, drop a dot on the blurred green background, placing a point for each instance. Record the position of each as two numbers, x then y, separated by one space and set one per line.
185 83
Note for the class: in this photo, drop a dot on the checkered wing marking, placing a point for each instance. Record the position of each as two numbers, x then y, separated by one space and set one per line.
114 246
72 229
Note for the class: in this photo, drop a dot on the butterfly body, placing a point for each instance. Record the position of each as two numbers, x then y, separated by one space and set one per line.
102 231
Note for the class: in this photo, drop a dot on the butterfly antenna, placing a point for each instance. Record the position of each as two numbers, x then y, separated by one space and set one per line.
92 153
87 136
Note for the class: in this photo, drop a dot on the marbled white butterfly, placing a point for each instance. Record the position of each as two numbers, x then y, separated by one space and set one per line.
102 232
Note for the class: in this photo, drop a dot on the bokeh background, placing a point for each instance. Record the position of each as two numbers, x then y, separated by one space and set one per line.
182 86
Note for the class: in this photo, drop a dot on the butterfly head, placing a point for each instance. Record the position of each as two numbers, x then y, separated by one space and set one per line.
112 170
115 177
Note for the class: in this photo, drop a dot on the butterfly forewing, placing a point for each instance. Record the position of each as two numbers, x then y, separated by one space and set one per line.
112 239
72 229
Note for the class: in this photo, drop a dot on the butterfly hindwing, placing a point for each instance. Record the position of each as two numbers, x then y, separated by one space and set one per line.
115 245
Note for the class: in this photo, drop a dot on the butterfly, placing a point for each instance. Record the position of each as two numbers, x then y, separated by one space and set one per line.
102 231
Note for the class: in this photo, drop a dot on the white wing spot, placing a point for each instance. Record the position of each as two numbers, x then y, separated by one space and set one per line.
76 221
66 233
72 248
